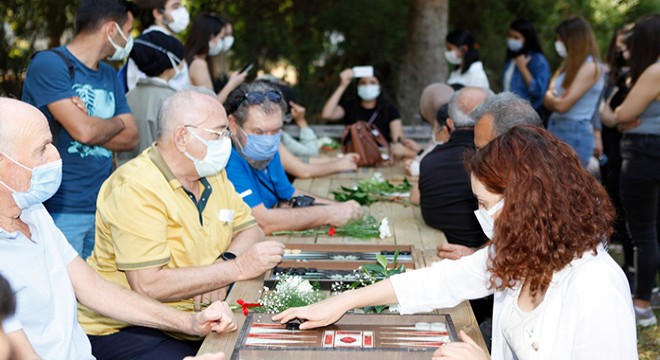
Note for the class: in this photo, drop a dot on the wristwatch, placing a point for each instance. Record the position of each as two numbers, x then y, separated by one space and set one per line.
227 256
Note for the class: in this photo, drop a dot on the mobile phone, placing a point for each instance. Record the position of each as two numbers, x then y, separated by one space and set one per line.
363 71
247 68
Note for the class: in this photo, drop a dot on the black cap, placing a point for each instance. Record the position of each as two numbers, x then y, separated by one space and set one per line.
149 59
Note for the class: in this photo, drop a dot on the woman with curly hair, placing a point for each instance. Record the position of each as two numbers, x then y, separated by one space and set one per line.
558 294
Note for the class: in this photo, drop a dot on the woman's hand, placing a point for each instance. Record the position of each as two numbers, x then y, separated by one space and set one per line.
345 77
316 315
466 350
522 60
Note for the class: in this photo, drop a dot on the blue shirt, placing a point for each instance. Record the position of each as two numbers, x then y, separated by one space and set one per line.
84 167
587 104
265 186
534 92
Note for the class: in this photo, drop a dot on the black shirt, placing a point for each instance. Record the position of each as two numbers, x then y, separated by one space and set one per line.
446 198
354 112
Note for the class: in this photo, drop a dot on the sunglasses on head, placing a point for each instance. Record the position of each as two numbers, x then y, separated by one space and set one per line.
258 97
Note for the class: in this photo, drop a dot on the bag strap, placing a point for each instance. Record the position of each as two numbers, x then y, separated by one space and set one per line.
373 117
55 125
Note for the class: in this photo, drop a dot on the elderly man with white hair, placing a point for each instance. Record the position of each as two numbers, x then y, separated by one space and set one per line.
45 271
171 226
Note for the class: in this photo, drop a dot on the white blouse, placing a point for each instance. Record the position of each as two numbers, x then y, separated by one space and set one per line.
475 76
586 313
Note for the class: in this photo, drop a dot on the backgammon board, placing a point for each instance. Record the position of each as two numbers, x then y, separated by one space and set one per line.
368 337
326 264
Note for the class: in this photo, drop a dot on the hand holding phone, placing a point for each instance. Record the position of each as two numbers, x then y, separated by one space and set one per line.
247 68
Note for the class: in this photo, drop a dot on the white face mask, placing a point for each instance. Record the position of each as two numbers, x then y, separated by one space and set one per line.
514 44
215 49
180 20
452 57
45 181
368 92
485 218
227 42
217 155
561 49
121 53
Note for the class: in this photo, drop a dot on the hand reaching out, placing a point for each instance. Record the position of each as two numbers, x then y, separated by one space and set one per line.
259 258
465 350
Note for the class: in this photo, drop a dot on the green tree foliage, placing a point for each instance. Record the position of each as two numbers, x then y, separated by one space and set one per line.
298 32
29 24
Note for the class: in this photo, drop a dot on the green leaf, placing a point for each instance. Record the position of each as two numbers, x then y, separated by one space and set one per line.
382 260
372 268
396 255
379 309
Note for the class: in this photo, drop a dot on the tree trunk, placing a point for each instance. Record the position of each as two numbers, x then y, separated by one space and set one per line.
423 62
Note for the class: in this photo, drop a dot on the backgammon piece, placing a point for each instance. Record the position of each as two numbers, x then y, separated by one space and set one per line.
300 271
422 326
405 253
292 325
296 251
287 251
439 327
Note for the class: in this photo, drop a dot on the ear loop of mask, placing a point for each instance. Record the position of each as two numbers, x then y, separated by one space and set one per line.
174 60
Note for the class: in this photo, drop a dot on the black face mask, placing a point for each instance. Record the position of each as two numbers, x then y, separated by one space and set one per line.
619 60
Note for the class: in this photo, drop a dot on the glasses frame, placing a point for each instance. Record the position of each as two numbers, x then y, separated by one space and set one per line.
259 97
224 134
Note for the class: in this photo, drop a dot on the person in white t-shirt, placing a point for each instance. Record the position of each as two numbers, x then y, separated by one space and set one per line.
462 53
45 272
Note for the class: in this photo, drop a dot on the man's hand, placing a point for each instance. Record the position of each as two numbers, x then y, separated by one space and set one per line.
77 101
217 318
209 297
341 213
466 349
348 162
259 258
453 251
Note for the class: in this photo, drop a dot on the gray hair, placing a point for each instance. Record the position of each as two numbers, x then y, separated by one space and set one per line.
508 111
236 106
461 105
166 119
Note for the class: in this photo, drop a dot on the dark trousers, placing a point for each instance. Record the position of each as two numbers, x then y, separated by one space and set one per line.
640 192
141 343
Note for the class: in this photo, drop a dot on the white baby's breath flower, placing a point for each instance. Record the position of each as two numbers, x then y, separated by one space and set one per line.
378 177
384 229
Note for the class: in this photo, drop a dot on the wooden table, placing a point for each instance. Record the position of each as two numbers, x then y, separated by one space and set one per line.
407 227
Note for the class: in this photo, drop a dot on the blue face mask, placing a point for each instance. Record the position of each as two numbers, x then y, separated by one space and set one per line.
45 181
261 147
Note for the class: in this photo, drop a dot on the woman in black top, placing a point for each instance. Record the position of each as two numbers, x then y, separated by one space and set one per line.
371 105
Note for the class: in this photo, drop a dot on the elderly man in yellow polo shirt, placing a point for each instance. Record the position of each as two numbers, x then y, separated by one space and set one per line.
171 226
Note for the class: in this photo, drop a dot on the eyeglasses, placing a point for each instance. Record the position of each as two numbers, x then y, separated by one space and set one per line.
258 97
226 133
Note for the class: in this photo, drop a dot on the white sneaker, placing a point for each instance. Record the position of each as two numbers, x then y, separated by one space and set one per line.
645 316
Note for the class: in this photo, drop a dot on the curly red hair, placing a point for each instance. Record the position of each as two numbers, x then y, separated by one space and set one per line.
553 212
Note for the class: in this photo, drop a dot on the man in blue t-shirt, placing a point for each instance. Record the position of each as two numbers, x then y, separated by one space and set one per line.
255 118
87 111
